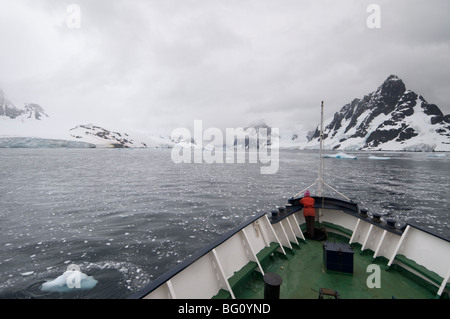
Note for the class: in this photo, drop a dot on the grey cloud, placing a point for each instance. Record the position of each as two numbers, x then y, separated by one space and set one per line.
227 62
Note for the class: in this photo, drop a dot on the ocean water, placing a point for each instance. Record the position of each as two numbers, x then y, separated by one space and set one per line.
125 216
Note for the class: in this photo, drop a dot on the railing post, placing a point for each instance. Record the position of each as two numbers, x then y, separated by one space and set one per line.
171 290
285 236
400 242
367 238
379 244
444 283
275 235
222 273
291 231
297 227
354 231
253 255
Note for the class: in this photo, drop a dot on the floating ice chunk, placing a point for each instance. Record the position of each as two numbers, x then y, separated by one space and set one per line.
123 270
340 155
372 157
29 273
71 279
437 155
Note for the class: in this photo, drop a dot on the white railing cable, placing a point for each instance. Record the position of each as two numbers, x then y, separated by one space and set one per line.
303 191
335 190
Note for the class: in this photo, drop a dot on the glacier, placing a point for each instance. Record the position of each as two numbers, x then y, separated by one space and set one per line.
32 142
391 118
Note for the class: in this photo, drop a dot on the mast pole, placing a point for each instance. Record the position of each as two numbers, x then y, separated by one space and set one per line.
320 177
320 181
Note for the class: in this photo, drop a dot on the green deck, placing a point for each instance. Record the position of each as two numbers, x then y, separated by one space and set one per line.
303 274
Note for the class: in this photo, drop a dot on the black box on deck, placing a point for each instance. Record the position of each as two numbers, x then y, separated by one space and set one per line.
338 257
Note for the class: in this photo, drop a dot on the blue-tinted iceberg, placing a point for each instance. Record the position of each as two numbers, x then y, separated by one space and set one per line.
340 155
69 281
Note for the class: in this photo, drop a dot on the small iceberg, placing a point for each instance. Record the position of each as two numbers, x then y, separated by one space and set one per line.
340 155
70 280
381 158
436 155
29 273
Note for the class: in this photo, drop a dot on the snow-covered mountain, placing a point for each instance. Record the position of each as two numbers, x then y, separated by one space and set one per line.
390 118
106 138
257 135
30 110
283 138
32 127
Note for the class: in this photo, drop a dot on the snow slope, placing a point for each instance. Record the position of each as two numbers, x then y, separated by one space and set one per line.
390 118
31 126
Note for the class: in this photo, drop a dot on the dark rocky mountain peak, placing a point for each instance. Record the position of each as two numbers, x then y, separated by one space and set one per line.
30 110
391 114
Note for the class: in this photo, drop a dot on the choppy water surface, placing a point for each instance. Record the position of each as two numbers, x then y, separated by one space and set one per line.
127 216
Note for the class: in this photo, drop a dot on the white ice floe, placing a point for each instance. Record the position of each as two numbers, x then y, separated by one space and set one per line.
28 273
340 155
373 157
71 279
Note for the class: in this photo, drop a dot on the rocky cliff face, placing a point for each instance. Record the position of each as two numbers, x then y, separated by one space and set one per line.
390 118
98 135
30 110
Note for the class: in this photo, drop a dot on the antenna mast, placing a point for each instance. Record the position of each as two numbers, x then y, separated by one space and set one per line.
320 177
320 181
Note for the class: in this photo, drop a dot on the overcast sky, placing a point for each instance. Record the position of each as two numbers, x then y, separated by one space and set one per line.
161 64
